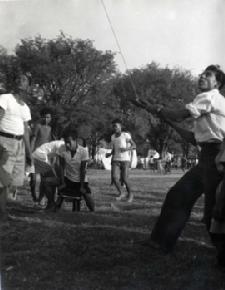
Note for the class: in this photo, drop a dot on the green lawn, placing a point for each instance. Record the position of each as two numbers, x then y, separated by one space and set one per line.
102 250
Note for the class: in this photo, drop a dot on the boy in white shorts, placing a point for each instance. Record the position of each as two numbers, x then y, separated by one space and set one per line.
122 145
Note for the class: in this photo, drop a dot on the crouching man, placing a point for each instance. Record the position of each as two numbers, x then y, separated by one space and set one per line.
73 165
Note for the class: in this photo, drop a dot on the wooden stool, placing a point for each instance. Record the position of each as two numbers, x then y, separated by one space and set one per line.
76 200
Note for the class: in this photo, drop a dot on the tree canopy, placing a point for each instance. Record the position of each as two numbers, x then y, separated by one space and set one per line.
83 87
170 87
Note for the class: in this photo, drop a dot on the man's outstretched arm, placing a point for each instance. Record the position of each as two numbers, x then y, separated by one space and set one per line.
161 112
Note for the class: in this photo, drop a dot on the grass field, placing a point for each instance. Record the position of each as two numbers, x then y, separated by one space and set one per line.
102 250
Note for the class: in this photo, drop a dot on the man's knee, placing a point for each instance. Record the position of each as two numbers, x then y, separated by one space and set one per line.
115 178
175 198
172 197
89 201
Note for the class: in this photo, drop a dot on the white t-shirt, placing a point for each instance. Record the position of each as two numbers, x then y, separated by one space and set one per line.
48 150
15 115
123 141
73 164
168 157
156 155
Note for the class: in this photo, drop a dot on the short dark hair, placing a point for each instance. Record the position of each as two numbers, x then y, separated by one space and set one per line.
70 131
45 111
117 121
26 75
84 142
220 76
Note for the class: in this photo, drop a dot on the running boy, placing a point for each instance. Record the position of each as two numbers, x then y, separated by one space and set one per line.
122 146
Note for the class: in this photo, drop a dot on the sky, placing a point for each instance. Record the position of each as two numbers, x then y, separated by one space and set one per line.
188 34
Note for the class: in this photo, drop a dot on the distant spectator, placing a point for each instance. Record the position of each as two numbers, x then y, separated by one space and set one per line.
42 133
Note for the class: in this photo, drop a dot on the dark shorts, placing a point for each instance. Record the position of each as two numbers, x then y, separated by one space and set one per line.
73 188
120 169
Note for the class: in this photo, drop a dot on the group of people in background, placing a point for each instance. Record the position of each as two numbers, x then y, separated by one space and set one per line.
167 163
62 163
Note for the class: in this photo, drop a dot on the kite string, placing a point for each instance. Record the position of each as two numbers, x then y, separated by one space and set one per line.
119 47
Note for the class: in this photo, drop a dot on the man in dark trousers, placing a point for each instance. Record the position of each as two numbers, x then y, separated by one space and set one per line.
208 112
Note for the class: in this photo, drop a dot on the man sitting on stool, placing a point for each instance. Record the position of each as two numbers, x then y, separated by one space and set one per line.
73 164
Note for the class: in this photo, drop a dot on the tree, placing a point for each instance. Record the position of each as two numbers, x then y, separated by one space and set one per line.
170 87
68 72
9 69
83 88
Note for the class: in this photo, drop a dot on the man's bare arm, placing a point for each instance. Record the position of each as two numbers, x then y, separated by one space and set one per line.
34 137
185 134
173 115
26 138
2 112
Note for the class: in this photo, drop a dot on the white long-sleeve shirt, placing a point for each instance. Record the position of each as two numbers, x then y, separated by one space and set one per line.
208 111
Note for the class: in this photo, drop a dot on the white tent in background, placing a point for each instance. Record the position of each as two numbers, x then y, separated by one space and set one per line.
106 162
134 159
100 158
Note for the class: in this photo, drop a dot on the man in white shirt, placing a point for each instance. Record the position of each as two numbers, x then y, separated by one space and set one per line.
122 145
208 113
46 164
14 140
73 177
42 155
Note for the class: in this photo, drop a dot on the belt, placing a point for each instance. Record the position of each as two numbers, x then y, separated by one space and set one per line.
209 143
9 135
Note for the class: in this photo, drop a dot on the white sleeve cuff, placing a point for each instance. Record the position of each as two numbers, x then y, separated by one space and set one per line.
195 113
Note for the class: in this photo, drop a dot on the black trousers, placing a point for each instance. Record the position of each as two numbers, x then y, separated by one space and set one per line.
203 178
73 189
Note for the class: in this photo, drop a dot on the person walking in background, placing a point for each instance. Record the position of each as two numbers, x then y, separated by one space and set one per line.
122 144
183 163
14 139
168 160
